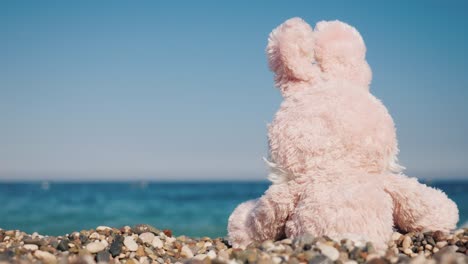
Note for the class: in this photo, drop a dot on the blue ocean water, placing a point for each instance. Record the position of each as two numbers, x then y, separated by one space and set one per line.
189 208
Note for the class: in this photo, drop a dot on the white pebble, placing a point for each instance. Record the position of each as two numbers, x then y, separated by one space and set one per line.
200 257
396 235
277 260
157 243
94 236
278 248
211 254
31 247
147 237
441 244
102 228
359 243
186 252
130 243
329 251
144 260
408 251
45 257
95 247
103 241
406 242
268 245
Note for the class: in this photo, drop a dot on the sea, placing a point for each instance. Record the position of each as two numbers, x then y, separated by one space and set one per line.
187 208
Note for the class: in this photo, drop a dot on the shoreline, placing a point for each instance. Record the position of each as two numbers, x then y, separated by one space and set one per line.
147 244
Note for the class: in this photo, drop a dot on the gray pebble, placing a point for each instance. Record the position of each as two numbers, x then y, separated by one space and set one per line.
116 246
320 259
63 245
103 256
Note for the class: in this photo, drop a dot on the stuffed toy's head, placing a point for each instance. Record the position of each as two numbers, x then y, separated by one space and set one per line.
329 122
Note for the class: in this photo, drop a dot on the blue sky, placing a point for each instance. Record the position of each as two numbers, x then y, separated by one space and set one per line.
181 90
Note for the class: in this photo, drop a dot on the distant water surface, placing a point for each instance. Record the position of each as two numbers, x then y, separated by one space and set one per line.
189 208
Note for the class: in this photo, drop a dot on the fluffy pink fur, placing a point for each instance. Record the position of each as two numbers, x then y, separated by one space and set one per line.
333 149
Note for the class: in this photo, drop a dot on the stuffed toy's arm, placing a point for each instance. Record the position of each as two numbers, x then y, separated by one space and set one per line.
418 207
261 219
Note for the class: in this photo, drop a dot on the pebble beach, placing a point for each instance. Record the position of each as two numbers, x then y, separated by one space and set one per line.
148 244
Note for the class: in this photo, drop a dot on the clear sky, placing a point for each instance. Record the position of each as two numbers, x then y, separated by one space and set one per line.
177 90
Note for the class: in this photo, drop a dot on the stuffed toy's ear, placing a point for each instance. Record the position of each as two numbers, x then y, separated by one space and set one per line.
291 53
341 52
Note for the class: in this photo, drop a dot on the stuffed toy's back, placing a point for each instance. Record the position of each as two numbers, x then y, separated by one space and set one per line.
333 149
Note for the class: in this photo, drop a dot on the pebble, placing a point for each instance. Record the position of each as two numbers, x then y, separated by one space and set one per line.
406 242
116 246
63 245
430 241
320 259
211 254
83 238
186 252
94 236
35 241
140 252
103 228
268 245
31 247
147 237
329 251
438 236
441 244
142 228
103 256
170 239
130 243
396 236
157 243
200 256
303 240
95 247
45 257
408 251
276 260
167 232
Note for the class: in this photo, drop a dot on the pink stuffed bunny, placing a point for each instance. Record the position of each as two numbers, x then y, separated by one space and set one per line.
333 149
